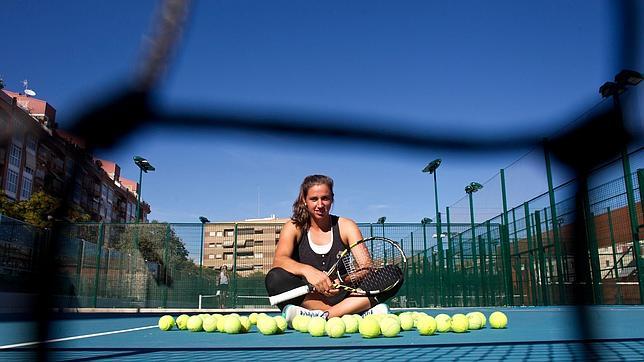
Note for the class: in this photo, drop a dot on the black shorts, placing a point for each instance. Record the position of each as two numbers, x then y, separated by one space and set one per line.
223 287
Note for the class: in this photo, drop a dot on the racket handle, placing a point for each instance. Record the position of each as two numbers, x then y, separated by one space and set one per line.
290 294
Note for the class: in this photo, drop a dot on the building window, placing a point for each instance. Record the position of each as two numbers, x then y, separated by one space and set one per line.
211 233
220 233
230 233
31 143
211 256
218 256
259 255
12 181
26 188
211 245
14 156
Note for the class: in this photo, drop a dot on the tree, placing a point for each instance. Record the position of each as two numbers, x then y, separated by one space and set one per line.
39 210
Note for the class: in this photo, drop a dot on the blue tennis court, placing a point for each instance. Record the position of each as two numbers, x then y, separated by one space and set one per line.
533 333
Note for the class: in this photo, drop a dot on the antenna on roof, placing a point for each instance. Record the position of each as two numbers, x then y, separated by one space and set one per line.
28 92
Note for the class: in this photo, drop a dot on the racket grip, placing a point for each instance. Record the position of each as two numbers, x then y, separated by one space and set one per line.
290 294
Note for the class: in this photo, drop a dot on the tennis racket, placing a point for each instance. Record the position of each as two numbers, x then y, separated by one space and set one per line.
367 267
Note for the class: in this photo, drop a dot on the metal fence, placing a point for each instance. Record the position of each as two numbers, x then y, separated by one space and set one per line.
521 257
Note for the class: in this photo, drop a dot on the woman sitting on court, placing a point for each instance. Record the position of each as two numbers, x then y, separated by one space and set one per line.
308 246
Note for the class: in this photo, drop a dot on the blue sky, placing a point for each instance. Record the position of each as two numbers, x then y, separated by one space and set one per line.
471 68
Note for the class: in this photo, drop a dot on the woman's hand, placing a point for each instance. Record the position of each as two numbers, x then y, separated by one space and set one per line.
319 280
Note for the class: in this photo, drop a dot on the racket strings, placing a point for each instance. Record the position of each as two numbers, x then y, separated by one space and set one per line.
372 266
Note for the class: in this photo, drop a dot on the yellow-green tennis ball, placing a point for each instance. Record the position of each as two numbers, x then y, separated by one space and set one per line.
245 324
474 322
267 326
221 325
443 324
195 323
426 326
369 328
253 318
498 320
303 324
232 325
209 324
317 326
166 323
460 323
443 316
406 322
358 317
182 321
218 315
350 324
482 316
335 327
389 327
281 323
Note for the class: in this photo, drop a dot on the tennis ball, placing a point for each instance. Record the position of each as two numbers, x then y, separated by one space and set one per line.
369 328
474 321
406 322
182 321
482 316
232 325
253 318
389 327
443 316
335 327
498 320
303 324
443 324
267 326
281 323
426 326
166 323
245 324
209 324
350 323
195 323
317 326
221 324
460 323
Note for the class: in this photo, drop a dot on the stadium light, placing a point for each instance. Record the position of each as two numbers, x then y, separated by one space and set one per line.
473 187
426 220
144 166
381 220
628 77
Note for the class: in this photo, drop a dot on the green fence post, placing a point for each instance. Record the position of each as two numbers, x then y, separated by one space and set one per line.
79 269
234 291
542 258
413 266
640 187
532 278
492 282
98 262
612 242
517 250
441 266
555 224
166 267
450 262
425 266
482 270
594 256
505 246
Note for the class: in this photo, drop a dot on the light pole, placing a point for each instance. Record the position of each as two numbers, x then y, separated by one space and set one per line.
144 166
623 80
431 168
469 190
203 220
381 220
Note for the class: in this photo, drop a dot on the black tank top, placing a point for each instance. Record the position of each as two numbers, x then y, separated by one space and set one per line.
305 255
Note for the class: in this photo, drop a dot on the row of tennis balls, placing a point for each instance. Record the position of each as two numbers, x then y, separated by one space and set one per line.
230 323
390 325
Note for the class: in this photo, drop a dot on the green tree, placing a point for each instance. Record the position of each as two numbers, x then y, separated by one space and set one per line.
39 209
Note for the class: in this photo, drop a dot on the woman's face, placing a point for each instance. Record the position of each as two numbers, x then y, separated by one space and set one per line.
318 201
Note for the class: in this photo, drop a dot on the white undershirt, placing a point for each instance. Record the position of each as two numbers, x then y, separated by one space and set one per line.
320 249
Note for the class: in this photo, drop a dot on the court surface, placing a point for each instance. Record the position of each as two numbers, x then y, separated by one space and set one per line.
533 333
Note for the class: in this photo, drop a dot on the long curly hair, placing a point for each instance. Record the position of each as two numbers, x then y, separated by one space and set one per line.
301 217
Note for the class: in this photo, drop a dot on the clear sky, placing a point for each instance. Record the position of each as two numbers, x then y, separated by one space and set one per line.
483 68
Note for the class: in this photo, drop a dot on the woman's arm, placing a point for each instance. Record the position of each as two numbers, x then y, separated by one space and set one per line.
283 259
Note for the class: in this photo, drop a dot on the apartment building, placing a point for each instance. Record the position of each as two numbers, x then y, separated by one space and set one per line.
35 155
252 241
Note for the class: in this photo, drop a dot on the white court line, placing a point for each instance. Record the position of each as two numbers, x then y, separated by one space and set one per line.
8 346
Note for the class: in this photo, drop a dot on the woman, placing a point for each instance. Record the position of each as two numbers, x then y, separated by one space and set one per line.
308 246
223 285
